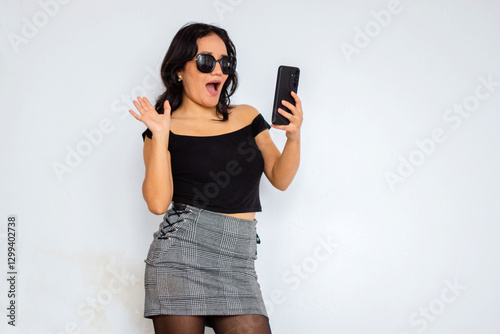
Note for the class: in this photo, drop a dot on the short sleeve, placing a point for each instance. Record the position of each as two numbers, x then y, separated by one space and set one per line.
259 124
148 134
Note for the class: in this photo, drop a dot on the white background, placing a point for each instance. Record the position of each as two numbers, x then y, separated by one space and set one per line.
344 249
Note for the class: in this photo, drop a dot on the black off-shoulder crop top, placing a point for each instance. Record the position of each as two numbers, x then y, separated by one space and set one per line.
219 173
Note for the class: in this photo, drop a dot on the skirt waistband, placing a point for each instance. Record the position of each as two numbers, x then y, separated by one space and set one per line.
181 207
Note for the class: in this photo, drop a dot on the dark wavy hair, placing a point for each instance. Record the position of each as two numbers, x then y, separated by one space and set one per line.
184 48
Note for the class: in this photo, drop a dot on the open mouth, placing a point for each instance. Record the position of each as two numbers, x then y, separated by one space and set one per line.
213 87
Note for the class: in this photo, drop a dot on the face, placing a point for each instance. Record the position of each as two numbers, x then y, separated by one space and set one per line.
204 88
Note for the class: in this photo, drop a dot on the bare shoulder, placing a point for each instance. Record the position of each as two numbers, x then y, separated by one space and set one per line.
244 113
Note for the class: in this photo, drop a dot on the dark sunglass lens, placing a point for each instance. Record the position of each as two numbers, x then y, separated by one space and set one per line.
228 64
205 63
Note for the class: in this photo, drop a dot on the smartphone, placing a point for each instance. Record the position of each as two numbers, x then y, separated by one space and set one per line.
287 81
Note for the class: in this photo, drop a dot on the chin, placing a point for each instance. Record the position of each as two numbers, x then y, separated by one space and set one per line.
211 102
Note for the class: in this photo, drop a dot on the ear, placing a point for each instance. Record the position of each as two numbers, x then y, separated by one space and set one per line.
180 74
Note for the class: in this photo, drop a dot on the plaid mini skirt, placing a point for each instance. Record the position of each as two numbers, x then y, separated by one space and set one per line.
202 263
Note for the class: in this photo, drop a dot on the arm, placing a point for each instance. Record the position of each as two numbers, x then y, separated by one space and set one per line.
157 187
280 168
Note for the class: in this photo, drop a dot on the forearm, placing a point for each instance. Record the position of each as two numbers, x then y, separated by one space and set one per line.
157 188
286 165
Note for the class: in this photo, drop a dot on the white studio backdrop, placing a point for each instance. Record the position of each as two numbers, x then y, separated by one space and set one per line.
391 225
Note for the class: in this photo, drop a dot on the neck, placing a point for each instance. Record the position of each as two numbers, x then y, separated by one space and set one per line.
191 109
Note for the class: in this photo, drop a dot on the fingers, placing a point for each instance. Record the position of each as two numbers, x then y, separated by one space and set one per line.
295 109
139 106
143 105
285 114
294 117
279 127
298 102
134 114
146 102
289 105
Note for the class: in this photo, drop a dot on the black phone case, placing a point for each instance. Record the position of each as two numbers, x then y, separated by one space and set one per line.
287 81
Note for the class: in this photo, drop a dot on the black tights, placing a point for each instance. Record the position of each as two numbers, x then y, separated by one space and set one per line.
233 324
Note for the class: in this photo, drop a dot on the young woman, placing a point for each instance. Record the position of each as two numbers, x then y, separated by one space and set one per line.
206 157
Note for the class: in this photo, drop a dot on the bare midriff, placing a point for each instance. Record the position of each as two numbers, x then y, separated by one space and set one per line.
243 215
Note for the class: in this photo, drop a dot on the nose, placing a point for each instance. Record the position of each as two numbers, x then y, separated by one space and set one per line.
218 69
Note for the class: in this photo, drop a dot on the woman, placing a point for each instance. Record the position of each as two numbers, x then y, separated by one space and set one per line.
207 157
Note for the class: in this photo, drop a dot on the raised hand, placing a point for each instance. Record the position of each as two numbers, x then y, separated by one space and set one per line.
295 118
159 124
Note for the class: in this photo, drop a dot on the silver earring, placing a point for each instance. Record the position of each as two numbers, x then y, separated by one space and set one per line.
180 78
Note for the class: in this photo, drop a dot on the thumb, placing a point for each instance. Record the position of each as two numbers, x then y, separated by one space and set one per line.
166 107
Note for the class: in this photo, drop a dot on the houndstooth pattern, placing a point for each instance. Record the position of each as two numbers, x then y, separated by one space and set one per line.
202 263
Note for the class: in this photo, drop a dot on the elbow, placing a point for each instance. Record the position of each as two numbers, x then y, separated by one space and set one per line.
279 183
281 186
157 202
157 209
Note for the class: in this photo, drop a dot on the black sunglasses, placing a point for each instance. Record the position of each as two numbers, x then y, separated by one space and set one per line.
206 63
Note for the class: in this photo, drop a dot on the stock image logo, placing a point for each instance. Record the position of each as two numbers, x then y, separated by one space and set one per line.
426 147
221 179
371 30
429 313
31 27
93 138
294 277
223 6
